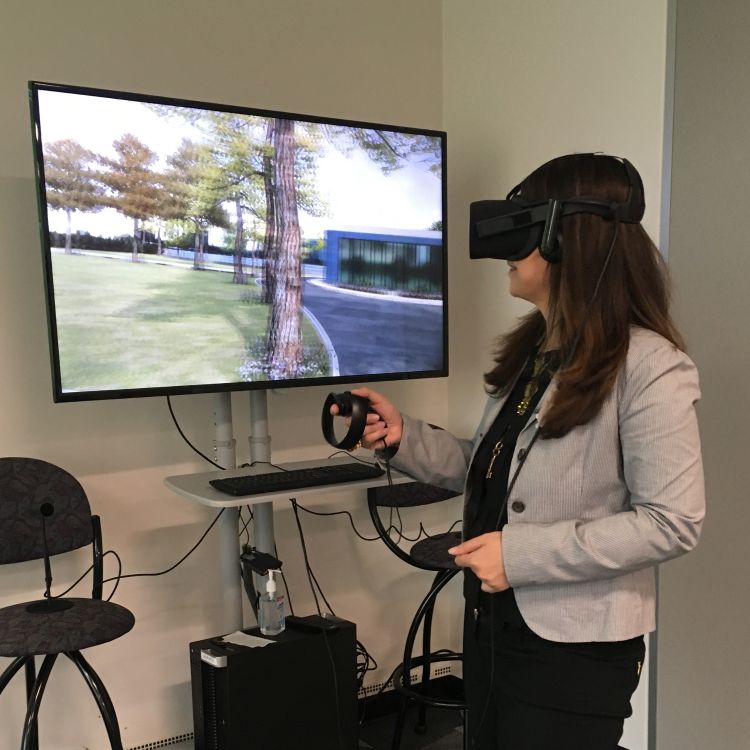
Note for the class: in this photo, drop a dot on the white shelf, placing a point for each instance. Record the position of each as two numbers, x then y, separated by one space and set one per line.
196 487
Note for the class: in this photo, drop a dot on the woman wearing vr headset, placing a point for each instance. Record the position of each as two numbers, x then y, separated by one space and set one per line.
585 471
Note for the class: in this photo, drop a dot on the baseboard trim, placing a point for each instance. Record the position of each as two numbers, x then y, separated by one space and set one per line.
166 742
387 702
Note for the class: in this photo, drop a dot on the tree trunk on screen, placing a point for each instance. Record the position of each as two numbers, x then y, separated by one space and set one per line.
284 352
271 234
135 240
198 250
68 233
239 244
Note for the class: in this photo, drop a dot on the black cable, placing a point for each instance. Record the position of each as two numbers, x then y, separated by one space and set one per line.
310 573
82 576
119 574
314 583
568 359
119 577
311 577
399 530
252 463
387 464
323 596
422 531
391 527
473 733
370 663
171 568
304 553
363 668
78 580
350 455
283 578
176 424
380 691
340 513
247 523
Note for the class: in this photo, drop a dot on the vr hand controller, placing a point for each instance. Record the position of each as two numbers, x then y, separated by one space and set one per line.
349 405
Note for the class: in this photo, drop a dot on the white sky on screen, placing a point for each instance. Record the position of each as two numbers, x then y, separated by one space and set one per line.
356 191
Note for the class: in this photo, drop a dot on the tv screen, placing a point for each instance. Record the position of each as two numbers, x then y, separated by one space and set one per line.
193 247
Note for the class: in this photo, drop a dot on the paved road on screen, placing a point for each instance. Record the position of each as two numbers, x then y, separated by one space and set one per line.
375 333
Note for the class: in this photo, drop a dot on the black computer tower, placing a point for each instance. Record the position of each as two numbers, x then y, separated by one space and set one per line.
298 692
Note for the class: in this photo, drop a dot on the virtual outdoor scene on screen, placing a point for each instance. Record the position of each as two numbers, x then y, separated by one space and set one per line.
191 246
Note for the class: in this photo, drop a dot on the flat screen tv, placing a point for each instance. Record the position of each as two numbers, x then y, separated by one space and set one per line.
193 247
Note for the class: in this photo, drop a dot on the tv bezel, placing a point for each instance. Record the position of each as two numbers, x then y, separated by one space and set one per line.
61 396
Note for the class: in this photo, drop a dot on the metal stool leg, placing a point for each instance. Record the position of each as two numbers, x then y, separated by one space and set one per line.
101 696
29 738
30 668
427 605
10 671
403 707
421 725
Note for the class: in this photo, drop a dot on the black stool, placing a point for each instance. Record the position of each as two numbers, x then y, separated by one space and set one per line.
33 492
427 554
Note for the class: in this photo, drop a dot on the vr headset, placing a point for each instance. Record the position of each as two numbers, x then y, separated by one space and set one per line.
513 228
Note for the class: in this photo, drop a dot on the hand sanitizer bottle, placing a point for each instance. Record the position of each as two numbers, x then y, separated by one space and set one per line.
271 608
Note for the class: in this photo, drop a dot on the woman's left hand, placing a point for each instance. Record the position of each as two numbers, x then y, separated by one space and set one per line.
484 555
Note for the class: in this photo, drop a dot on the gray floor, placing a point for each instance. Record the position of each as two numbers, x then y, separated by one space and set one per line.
444 732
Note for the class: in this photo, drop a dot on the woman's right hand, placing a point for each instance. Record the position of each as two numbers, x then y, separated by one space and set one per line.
384 427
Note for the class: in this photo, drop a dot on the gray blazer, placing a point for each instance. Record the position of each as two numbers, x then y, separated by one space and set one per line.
592 513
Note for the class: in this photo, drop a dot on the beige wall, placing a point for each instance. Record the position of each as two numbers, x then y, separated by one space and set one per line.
525 82
704 667
514 84
339 58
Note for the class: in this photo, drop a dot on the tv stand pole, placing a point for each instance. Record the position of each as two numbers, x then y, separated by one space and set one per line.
228 524
260 450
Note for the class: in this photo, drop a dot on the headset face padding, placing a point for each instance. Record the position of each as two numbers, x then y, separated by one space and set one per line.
513 228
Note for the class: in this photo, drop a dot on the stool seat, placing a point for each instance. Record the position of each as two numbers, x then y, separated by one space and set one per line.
88 622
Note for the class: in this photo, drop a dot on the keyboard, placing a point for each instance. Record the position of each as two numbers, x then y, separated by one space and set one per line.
295 479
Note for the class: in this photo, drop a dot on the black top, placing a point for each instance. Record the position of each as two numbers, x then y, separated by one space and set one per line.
486 510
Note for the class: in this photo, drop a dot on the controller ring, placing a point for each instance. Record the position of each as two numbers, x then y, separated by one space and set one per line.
355 407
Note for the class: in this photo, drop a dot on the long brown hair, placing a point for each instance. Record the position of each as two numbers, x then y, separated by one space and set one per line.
592 330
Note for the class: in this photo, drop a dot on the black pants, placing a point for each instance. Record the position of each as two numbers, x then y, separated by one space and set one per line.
527 693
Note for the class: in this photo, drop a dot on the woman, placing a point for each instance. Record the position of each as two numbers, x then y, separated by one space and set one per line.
584 473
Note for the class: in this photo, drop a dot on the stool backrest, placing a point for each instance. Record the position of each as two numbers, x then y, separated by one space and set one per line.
26 484
408 495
